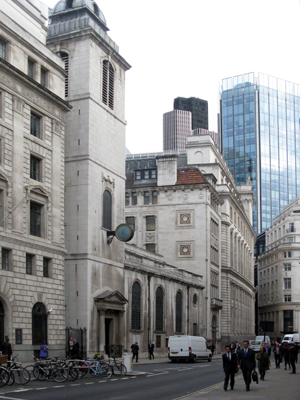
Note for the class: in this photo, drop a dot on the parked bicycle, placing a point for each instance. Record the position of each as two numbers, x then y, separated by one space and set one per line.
17 373
48 369
4 376
118 368
94 368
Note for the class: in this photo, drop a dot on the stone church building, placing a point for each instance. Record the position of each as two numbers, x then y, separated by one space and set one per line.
188 268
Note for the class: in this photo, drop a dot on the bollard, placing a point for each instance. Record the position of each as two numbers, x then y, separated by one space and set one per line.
128 362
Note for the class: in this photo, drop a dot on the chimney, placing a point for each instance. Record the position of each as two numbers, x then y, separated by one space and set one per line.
166 169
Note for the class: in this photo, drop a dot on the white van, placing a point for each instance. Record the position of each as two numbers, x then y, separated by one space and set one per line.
258 342
190 348
291 338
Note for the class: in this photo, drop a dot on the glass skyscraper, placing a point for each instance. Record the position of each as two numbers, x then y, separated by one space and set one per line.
260 139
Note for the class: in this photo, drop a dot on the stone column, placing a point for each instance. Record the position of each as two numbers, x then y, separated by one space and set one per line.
102 331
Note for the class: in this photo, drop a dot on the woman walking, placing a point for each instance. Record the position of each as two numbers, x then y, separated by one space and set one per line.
263 362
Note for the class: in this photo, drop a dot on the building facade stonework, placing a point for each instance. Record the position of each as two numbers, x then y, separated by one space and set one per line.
32 125
279 273
187 207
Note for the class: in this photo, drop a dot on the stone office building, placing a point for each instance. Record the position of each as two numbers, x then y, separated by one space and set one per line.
279 273
187 207
32 127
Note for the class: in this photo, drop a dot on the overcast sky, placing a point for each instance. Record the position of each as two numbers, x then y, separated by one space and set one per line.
185 48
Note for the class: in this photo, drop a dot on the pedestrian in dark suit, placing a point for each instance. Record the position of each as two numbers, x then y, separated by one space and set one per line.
246 361
6 348
293 350
229 367
135 351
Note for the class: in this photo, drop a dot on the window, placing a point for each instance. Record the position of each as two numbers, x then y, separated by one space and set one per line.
107 210
158 341
44 77
287 283
39 324
138 175
154 197
146 198
29 264
291 227
2 49
159 325
150 223
108 84
5 259
287 254
30 67
35 168
153 173
147 174
35 219
46 267
178 317
150 247
195 300
2 208
287 298
131 222
134 198
287 267
65 59
288 321
35 125
127 199
136 307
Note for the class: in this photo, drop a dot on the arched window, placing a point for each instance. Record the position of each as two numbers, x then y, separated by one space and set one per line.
108 84
65 59
178 318
69 4
107 206
136 306
39 324
159 326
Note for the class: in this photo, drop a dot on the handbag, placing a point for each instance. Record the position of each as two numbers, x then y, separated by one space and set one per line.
254 376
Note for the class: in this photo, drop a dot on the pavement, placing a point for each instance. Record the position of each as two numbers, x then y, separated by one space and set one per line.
279 384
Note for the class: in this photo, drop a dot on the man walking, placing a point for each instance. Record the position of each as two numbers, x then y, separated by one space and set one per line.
151 350
229 367
293 356
277 354
246 361
135 351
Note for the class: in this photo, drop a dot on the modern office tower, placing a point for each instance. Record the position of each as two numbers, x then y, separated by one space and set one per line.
198 108
260 140
177 125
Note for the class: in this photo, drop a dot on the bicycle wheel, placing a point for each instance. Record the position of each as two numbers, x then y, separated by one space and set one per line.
105 371
42 374
73 374
34 371
82 370
11 380
22 375
59 374
4 376
120 369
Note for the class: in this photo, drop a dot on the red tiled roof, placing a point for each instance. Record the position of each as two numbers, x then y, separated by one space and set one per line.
189 176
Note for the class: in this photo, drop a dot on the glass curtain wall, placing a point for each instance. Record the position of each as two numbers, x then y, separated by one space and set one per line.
260 139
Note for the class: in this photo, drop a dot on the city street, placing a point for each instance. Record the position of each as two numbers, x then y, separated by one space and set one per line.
165 381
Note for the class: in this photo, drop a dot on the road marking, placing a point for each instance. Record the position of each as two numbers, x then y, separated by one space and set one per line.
163 373
115 379
182 370
89 383
10 398
58 386
124 379
76 384
42 388
209 388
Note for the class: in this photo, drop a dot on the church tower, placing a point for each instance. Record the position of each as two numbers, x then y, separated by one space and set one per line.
94 170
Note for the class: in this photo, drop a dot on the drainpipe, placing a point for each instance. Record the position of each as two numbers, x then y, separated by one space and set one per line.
149 306
188 310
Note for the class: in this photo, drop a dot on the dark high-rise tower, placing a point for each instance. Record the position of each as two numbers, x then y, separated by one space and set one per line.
198 108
